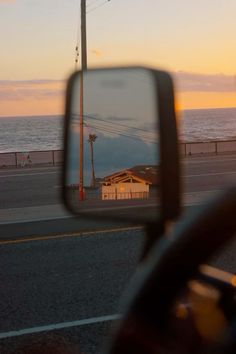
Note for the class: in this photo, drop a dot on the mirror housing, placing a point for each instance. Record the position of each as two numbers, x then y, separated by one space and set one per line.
112 94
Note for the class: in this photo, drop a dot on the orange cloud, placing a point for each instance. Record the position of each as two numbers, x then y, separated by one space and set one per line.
192 82
31 97
194 100
96 52
204 90
47 96
16 90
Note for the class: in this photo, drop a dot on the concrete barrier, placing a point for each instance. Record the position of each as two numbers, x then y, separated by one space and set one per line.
34 158
200 148
182 149
207 148
8 159
31 158
55 157
226 146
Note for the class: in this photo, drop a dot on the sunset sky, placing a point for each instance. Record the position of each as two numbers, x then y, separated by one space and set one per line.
194 40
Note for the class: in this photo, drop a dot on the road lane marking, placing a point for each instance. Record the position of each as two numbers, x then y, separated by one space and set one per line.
29 174
56 326
27 210
196 193
72 234
214 159
58 186
211 174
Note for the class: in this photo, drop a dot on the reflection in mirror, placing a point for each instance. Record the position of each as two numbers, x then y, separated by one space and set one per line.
113 152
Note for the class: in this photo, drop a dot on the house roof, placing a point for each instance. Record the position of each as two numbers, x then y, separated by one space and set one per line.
142 174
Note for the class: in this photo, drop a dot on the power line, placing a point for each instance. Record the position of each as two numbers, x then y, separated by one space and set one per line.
91 3
96 7
77 47
114 128
102 130
117 124
122 133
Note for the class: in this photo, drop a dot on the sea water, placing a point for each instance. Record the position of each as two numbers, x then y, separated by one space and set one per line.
36 133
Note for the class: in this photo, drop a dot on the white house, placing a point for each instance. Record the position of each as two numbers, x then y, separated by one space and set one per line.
130 183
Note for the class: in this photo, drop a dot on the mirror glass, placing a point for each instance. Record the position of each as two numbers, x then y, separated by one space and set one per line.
113 150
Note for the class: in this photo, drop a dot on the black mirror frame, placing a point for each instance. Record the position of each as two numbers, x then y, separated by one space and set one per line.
169 146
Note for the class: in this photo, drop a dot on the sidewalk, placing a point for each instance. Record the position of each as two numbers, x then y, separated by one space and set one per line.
58 211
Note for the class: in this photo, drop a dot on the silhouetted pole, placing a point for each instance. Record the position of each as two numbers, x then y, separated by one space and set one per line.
83 68
91 140
83 36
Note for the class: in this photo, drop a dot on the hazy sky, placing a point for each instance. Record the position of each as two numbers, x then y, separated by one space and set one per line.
193 39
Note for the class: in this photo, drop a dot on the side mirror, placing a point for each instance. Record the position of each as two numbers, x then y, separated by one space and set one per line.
120 147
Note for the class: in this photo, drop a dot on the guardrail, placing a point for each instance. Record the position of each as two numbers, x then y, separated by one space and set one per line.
54 157
23 159
208 148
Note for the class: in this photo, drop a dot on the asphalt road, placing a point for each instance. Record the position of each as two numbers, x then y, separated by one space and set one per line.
29 187
75 282
208 173
65 280
42 185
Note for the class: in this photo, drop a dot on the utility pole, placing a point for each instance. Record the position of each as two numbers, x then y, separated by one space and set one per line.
83 36
83 68
91 140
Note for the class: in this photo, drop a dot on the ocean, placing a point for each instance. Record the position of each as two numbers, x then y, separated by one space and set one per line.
35 133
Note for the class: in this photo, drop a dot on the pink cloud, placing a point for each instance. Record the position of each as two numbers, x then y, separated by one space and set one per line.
36 89
7 1
190 82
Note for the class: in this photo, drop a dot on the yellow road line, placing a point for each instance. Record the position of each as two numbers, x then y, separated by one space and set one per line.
72 234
